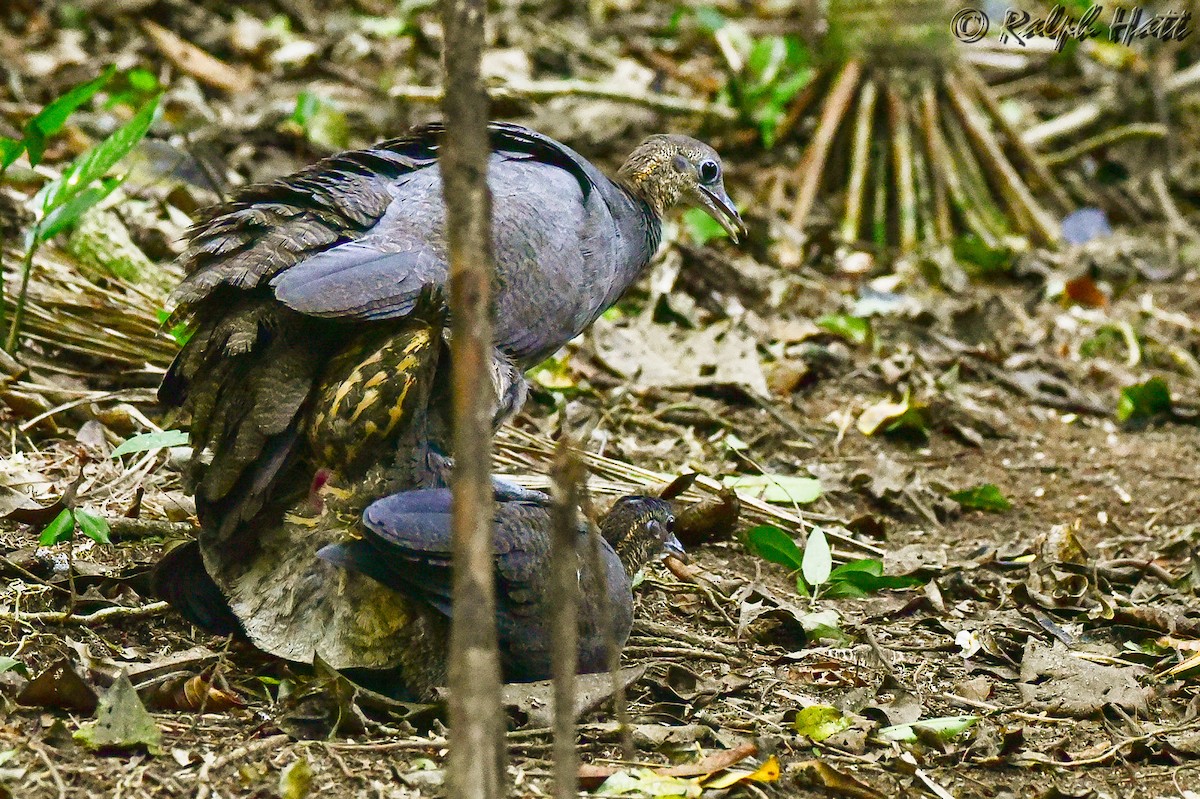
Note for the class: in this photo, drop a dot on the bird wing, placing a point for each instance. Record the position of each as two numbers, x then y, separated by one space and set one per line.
359 281
270 227
543 228
411 536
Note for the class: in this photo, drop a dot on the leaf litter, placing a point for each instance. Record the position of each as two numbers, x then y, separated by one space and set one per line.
1049 642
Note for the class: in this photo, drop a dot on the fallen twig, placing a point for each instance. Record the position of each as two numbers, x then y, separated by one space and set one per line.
95 619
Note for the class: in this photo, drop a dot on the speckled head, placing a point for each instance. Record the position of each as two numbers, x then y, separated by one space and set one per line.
639 529
667 170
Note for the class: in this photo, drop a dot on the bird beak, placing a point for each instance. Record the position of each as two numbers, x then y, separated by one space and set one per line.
720 208
675 550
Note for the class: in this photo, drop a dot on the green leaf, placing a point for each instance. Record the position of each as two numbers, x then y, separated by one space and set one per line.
69 212
982 497
818 722
700 227
776 487
322 122
122 721
766 58
851 328
709 19
180 331
945 728
977 257
869 566
306 106
818 560
93 164
862 583
147 441
142 80
12 664
10 151
773 544
50 119
58 530
1144 401
94 527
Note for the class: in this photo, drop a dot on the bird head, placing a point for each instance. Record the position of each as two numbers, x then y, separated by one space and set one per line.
669 170
640 528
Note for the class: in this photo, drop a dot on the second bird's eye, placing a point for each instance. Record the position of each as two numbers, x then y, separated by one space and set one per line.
709 171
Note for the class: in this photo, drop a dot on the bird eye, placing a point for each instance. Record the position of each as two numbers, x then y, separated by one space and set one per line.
709 171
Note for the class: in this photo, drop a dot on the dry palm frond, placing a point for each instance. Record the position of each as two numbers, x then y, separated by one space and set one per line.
911 144
102 326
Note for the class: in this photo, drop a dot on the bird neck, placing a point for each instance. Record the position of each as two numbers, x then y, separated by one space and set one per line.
649 192
647 175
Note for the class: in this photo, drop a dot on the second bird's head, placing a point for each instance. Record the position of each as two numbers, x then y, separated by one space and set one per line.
639 529
668 170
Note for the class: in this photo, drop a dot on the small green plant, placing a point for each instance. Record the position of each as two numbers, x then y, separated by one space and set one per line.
38 130
1143 402
982 497
766 73
321 122
83 184
815 574
68 521
980 258
854 329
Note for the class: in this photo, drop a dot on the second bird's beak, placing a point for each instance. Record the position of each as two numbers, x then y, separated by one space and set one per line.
675 549
718 205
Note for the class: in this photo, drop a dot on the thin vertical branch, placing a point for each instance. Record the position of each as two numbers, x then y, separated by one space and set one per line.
841 95
476 762
568 475
906 198
860 160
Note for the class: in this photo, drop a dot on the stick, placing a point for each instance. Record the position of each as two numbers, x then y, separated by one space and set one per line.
476 760
838 101
1010 184
902 158
860 160
934 159
568 473
1038 166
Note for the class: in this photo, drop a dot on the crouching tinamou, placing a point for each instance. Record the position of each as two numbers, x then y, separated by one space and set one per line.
406 546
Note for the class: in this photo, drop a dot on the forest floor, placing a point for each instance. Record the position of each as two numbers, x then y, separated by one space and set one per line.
1054 636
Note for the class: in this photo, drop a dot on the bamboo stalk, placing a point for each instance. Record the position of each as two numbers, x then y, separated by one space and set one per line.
979 198
476 763
928 124
834 110
567 474
925 207
901 141
860 160
1012 188
1037 165
879 201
